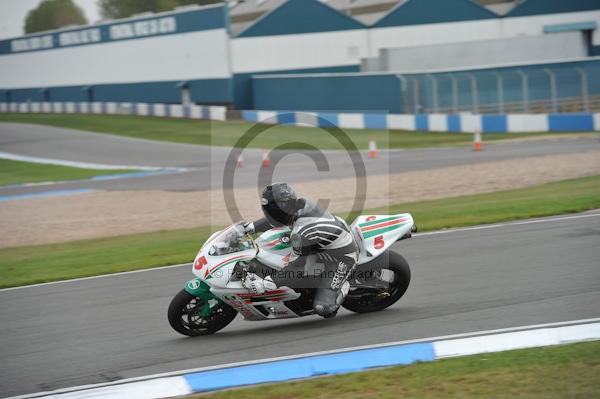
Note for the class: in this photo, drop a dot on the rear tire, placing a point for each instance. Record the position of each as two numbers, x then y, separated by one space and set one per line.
185 318
401 280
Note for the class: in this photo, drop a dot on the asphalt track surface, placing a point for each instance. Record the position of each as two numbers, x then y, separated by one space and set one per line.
103 329
207 163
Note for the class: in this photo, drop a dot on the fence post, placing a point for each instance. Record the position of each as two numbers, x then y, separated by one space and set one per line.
416 99
454 93
584 89
552 77
525 81
403 88
474 94
500 92
434 93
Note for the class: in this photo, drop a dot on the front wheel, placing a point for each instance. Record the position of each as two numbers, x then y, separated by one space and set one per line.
390 282
190 315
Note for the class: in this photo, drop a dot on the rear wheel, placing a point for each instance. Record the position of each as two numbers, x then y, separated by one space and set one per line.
190 315
388 283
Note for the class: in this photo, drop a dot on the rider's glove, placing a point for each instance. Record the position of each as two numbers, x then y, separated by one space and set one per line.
244 228
257 285
248 227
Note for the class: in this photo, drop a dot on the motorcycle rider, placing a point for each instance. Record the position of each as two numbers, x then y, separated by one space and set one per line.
314 231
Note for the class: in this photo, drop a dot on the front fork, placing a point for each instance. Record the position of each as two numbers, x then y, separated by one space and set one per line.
200 289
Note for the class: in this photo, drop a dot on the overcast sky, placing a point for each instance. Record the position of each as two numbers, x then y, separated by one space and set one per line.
13 12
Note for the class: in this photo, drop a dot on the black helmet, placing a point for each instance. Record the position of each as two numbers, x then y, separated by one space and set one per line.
278 202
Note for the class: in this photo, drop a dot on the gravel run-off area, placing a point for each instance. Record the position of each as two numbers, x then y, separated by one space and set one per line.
109 213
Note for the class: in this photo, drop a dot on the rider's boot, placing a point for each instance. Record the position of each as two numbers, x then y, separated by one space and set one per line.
327 300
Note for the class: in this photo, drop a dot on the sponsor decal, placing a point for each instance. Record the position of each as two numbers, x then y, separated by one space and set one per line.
194 284
129 30
143 28
272 296
276 312
239 306
79 37
286 259
32 43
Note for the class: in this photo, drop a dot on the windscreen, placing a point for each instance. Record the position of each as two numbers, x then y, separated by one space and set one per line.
229 241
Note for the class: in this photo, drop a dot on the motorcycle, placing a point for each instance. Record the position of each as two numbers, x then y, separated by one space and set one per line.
212 300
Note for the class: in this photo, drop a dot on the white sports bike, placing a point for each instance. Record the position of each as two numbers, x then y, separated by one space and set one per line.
211 301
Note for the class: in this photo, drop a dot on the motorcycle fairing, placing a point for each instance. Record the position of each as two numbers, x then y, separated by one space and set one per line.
376 233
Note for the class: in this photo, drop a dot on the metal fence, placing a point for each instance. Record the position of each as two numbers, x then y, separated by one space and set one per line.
517 90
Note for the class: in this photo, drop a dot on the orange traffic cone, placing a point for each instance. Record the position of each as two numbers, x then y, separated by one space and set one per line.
240 162
477 141
372 149
266 162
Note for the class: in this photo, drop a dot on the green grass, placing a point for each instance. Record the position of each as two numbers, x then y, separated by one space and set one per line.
42 263
569 371
227 133
548 199
17 172
52 262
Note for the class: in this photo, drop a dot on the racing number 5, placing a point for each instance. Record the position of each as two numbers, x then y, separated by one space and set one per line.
378 243
200 262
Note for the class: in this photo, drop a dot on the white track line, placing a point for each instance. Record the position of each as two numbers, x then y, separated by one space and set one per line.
74 164
74 280
327 352
496 225
431 233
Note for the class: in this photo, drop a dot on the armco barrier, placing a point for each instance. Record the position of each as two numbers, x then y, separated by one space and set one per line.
334 362
512 123
112 108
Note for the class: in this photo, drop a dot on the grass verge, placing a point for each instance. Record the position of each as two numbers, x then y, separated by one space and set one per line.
42 263
17 172
227 133
568 196
569 371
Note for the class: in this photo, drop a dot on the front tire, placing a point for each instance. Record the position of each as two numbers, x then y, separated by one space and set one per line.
185 315
396 289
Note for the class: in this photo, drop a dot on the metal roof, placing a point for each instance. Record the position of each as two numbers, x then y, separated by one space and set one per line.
244 12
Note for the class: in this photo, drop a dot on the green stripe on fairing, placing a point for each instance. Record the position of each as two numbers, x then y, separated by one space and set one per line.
372 222
369 234
274 236
210 275
281 246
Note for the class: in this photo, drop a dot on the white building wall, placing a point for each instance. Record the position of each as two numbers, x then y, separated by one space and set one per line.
194 55
311 50
539 48
420 35
534 25
428 34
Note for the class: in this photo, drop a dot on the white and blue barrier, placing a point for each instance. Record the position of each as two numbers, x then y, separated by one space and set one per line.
511 123
218 113
334 362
